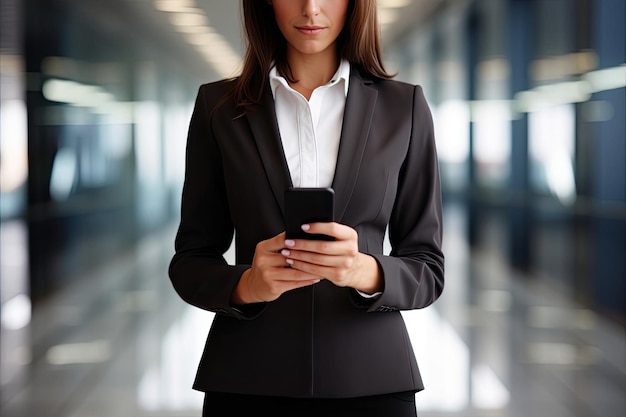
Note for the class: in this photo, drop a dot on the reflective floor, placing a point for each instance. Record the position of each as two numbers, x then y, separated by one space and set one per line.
121 343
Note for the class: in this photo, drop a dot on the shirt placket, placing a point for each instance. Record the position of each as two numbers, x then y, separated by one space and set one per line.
307 145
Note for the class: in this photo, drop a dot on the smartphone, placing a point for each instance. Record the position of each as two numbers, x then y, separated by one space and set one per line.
308 205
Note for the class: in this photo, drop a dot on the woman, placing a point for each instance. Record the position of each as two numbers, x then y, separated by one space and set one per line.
305 327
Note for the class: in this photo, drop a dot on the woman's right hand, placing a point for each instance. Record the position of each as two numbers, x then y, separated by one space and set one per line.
269 276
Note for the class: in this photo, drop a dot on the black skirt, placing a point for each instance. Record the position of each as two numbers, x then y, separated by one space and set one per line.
218 404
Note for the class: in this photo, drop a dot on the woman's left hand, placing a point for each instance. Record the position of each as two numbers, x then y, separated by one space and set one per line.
338 261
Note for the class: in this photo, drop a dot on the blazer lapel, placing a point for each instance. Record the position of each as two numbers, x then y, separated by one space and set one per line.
264 128
360 104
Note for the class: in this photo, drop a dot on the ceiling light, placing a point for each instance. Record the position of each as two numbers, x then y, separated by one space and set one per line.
193 24
188 19
173 5
607 78
391 4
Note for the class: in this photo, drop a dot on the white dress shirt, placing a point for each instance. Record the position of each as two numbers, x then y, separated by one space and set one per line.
310 129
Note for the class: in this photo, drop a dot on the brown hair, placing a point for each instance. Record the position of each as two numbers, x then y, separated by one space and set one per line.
358 43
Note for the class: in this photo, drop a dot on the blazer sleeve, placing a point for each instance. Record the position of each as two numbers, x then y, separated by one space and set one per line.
198 270
413 273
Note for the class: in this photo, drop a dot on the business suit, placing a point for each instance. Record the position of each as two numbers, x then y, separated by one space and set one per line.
320 341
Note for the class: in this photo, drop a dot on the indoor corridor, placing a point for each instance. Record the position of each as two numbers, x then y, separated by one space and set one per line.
527 97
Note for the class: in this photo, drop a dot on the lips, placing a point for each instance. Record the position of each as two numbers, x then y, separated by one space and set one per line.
310 30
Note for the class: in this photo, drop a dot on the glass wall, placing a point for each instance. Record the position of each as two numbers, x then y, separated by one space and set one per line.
528 98
97 128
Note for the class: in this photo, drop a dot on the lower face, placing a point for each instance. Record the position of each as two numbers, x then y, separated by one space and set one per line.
310 26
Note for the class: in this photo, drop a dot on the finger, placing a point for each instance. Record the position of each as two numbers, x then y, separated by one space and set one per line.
309 250
310 269
272 245
269 282
295 279
291 274
336 230
310 257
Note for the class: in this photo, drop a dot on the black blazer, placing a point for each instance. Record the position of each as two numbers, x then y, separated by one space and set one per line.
322 340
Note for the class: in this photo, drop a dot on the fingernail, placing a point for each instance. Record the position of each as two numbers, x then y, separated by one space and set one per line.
316 281
285 252
290 261
289 243
306 227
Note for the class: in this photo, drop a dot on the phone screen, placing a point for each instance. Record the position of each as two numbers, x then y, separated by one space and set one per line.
308 205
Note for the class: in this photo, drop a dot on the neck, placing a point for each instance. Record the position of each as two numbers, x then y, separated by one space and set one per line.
312 71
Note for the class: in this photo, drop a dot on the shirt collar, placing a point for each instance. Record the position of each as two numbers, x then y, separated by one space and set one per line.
342 73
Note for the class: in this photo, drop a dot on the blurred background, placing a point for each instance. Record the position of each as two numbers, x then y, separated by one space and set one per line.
528 98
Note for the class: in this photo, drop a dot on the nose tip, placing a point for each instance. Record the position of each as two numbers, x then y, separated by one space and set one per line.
311 8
